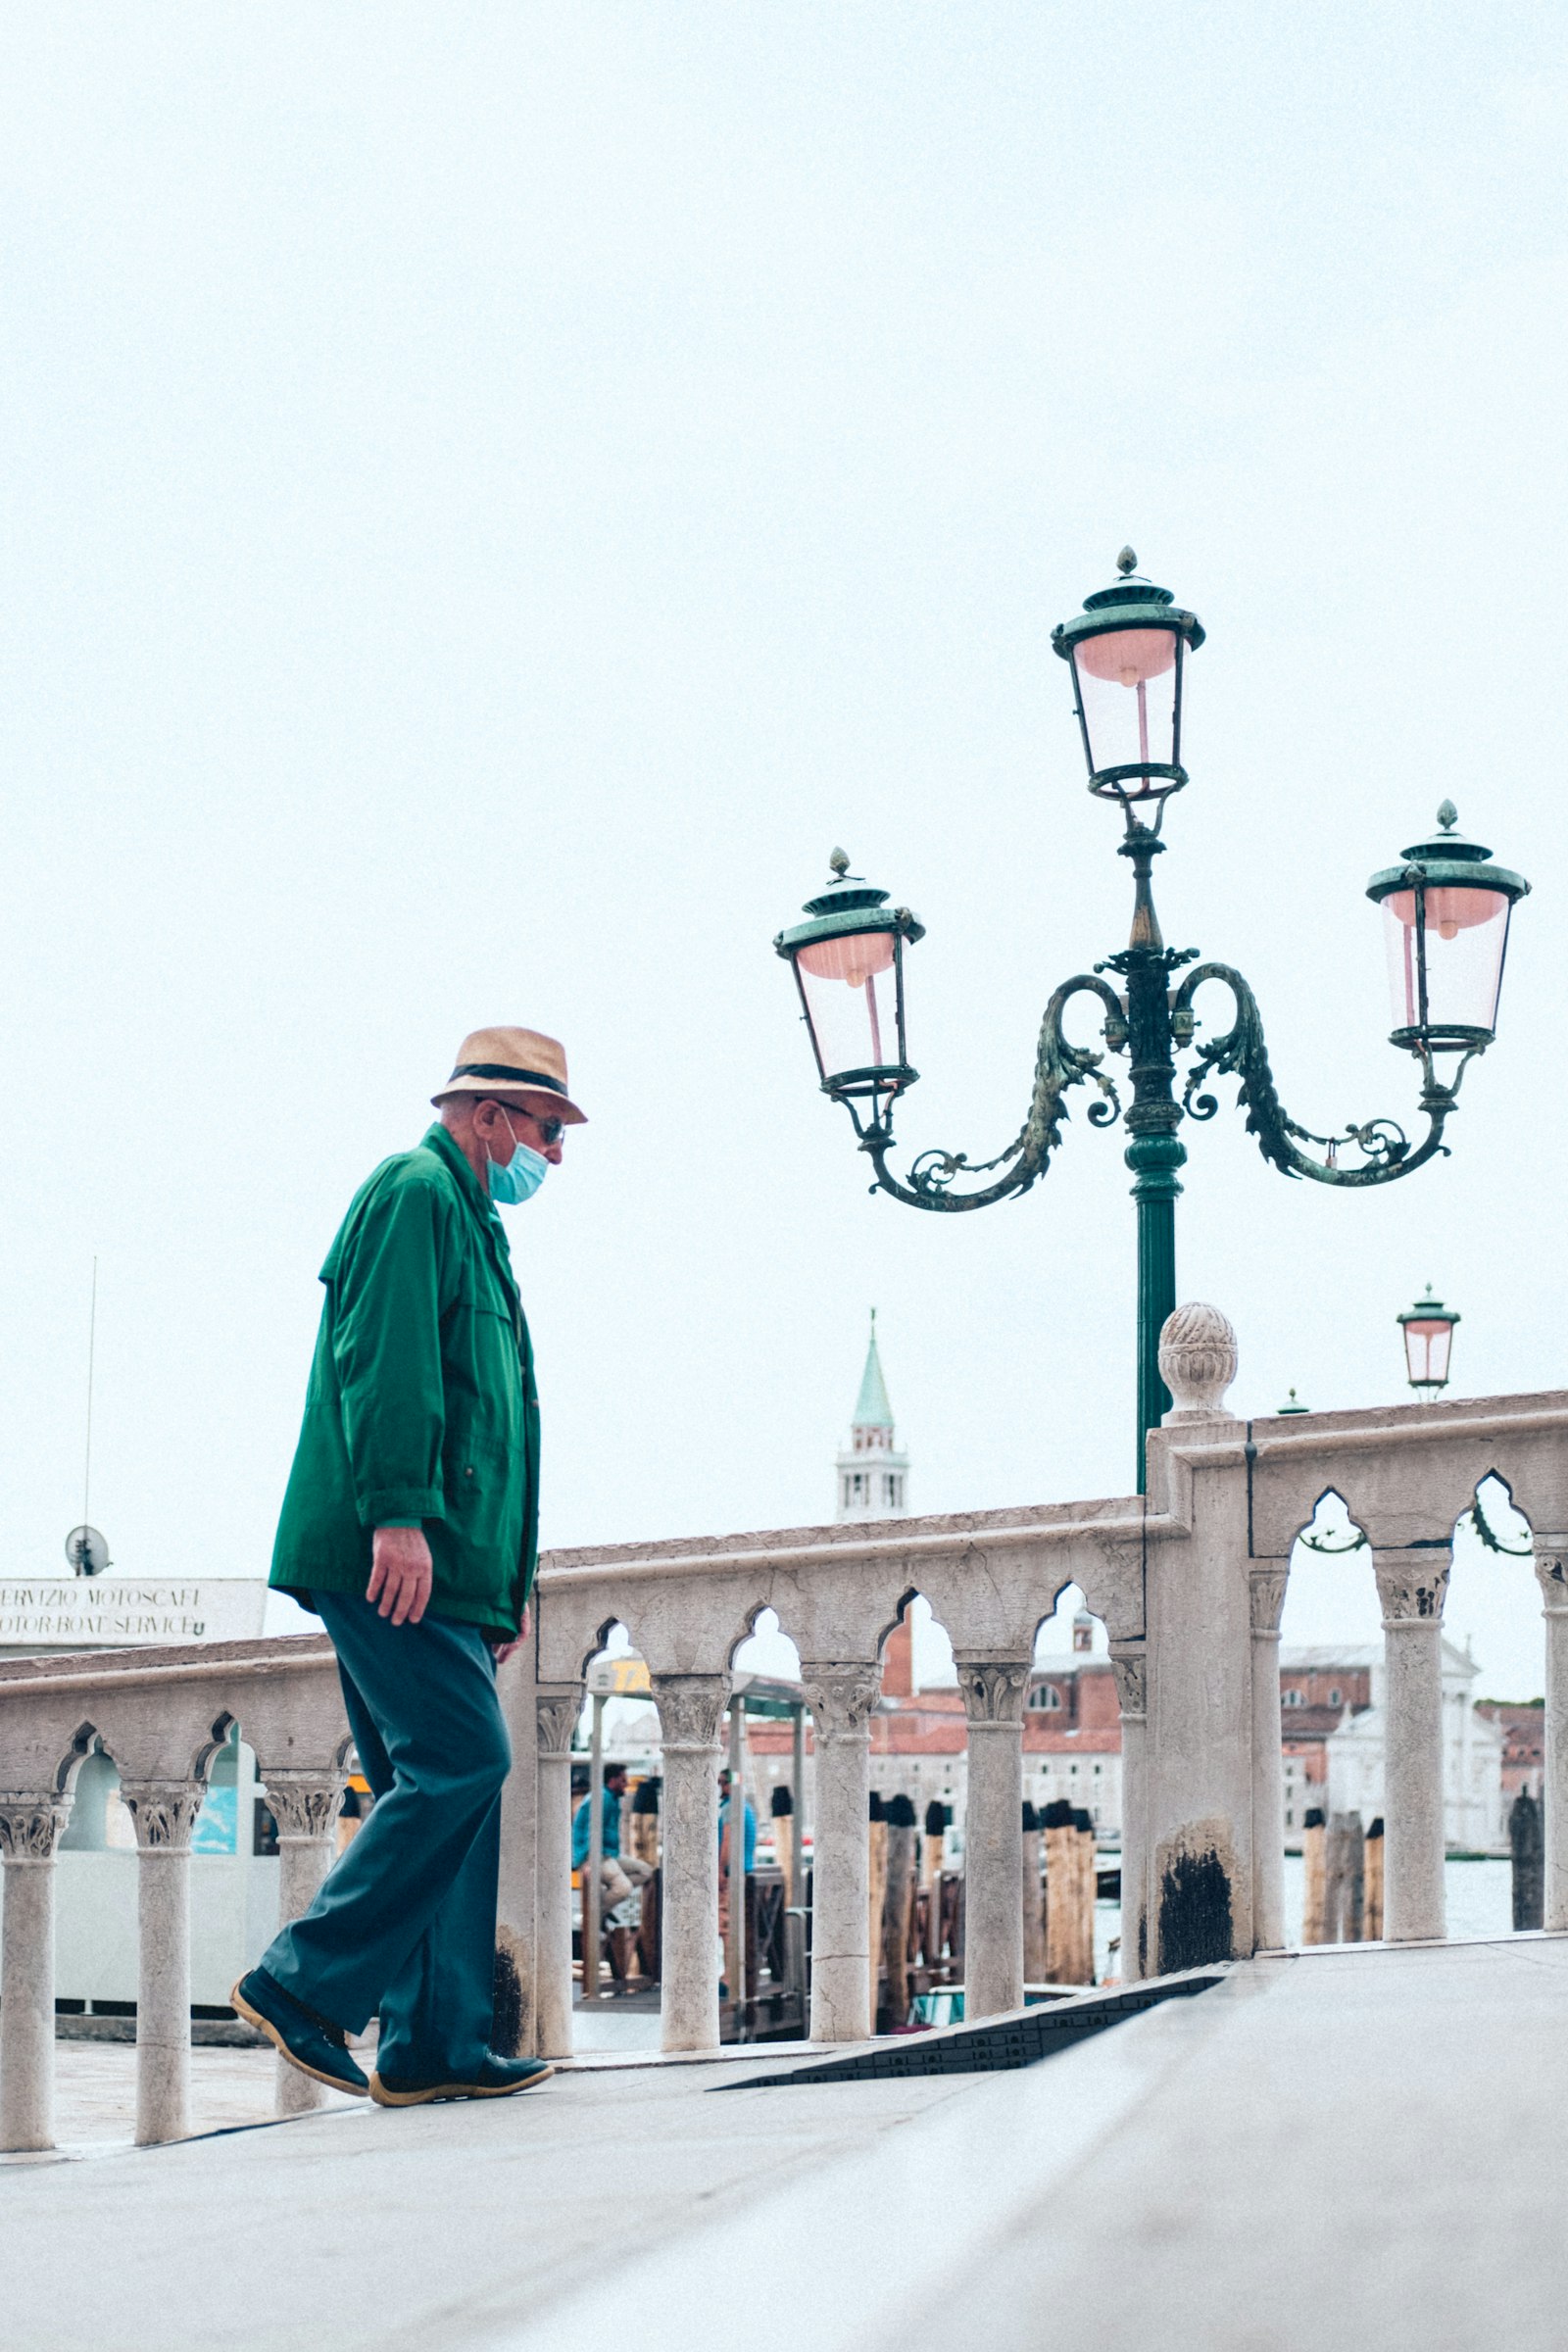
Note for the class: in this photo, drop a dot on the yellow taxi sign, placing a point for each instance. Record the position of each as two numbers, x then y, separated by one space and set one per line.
619 1677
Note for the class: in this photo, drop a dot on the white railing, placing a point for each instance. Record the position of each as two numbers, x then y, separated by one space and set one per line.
1188 1582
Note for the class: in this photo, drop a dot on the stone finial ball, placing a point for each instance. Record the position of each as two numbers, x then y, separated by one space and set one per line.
1197 1361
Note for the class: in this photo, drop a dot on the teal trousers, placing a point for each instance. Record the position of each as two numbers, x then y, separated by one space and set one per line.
404 1925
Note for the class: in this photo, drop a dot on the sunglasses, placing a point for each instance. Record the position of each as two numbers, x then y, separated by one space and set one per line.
552 1130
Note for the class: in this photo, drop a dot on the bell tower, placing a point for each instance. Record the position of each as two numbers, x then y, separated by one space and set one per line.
872 1475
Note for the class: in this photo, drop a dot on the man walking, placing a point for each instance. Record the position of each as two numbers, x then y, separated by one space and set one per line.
410 1527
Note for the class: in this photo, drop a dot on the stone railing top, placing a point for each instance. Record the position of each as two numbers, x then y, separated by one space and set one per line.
989 1576
189 1661
1533 1410
163 1713
839 1543
1407 1472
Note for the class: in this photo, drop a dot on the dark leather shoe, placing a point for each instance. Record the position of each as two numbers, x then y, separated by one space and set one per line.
495 2079
306 2042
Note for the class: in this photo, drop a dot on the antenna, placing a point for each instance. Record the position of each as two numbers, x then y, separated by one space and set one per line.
85 1547
92 1341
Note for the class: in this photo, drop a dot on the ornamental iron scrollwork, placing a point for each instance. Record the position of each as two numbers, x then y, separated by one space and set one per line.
1242 1052
1152 1025
1059 1065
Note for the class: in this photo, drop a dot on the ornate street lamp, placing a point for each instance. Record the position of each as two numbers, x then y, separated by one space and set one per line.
848 967
1428 1344
1447 911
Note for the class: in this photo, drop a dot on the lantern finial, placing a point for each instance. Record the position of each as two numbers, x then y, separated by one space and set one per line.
1126 561
1447 816
839 862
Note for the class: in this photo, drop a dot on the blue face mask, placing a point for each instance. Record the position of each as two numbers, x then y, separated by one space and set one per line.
519 1177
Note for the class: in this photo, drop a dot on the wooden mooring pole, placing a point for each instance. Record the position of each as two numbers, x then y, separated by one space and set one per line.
897 1902
1528 1847
1345 1874
1313 1877
1372 1909
1034 1905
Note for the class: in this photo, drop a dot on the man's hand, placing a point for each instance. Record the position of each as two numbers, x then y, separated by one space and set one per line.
401 1572
503 1650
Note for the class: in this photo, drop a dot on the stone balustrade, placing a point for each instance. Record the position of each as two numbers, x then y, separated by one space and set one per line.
1189 1583
162 1715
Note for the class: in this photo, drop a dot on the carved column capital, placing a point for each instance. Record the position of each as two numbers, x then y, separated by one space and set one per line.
1132 1681
1266 1593
30 1825
993 1691
164 1812
304 1804
1413 1586
842 1697
557 1712
1552 1574
689 1707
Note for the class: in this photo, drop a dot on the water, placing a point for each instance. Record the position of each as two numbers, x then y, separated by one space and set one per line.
1480 1897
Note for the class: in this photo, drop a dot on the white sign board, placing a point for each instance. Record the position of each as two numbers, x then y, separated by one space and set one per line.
119 1612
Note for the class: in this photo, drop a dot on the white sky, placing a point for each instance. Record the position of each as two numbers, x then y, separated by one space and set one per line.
494 495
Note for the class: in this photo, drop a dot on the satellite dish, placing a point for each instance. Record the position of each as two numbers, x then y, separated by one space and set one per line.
87 1551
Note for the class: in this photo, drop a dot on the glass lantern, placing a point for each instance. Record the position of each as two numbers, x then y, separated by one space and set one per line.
848 967
1428 1341
1127 651
1445 914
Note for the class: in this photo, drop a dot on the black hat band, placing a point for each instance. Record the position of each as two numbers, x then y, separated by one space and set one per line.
504 1069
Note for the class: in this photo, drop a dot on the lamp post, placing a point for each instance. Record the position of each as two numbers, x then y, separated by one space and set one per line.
1428 1329
1447 911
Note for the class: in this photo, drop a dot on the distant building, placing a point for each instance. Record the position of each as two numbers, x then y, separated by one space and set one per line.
1524 1744
1071 1733
873 1477
1332 1733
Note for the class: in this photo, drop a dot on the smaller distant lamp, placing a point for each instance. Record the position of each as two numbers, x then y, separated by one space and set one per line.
848 967
1428 1343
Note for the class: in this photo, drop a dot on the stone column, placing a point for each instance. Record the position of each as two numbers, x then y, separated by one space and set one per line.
514 2033
992 1838
165 1814
1132 1668
1266 1590
30 1832
690 1706
840 1698
556 1712
305 1806
1197 1826
1412 1586
1552 1569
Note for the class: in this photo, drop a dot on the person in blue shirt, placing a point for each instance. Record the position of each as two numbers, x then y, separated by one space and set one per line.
618 1873
723 1827
749 1818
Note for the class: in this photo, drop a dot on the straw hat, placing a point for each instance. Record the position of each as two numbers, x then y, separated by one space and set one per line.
514 1065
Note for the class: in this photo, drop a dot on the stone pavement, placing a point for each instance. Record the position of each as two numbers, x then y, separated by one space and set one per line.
1357 2148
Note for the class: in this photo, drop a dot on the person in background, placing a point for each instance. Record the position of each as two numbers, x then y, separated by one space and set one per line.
618 1873
749 1848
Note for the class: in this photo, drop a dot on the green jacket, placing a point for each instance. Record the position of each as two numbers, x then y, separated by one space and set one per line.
422 1405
